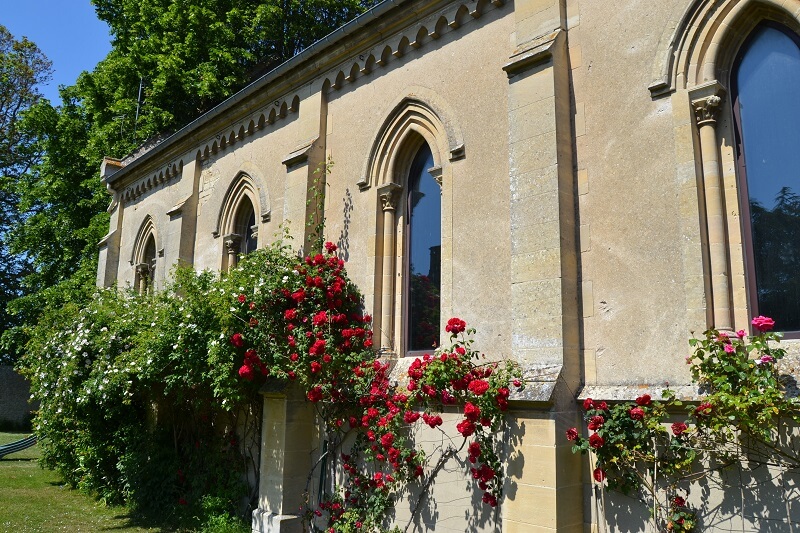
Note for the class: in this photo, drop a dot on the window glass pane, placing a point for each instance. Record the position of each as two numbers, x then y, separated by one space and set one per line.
767 80
245 221
424 253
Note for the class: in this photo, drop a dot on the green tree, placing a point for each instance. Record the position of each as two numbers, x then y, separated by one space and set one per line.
170 62
22 67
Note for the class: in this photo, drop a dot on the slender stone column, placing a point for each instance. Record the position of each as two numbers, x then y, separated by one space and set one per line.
389 195
706 110
232 242
143 273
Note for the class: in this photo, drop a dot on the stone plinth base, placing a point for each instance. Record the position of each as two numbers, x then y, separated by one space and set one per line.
266 522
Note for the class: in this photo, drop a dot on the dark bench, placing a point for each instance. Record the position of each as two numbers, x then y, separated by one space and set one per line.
17 446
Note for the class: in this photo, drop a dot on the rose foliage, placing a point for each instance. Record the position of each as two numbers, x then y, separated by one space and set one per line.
153 399
637 451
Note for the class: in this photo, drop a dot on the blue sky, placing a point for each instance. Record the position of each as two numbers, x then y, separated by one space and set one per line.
67 31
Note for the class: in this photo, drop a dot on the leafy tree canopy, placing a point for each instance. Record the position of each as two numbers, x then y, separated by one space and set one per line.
171 60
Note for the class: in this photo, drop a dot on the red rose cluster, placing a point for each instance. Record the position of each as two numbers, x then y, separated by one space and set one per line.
454 377
314 332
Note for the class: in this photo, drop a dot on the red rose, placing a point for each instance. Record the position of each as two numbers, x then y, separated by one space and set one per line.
246 372
588 404
636 413
489 499
320 318
455 326
644 400
599 475
431 420
387 440
596 441
678 501
478 387
315 367
242 298
763 323
572 434
472 411
704 409
290 314
678 428
237 340
466 428
315 394
474 449
601 406
330 247
596 422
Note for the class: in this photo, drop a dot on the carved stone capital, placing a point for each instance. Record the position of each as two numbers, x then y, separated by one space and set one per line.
706 100
707 109
436 174
232 242
143 270
389 195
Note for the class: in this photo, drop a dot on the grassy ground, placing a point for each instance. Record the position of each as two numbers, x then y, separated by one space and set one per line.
34 500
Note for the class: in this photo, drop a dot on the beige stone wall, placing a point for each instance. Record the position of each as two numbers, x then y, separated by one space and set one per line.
577 209
633 219
475 191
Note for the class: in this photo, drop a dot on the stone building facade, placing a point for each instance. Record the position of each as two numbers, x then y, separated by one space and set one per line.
590 201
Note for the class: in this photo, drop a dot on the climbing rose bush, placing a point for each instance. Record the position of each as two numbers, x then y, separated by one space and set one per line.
154 399
637 452
308 328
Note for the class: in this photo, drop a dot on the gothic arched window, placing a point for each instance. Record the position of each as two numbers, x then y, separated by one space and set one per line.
766 105
144 257
238 222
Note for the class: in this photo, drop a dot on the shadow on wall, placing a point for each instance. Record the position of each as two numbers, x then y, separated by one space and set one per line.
15 411
755 495
344 236
452 502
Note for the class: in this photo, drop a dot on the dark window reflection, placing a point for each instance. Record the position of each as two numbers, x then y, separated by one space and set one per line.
246 226
766 81
424 218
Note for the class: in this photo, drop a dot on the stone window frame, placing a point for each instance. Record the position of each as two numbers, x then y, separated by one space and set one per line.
242 188
413 121
144 267
702 52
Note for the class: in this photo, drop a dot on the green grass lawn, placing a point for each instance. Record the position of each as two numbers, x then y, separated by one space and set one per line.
35 500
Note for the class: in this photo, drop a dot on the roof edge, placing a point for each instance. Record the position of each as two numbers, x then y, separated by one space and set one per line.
249 90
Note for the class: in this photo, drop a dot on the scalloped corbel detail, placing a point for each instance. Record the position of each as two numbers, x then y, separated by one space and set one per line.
415 37
238 132
149 182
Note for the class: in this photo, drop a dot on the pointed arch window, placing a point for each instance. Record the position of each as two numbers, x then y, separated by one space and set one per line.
144 257
238 222
766 106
